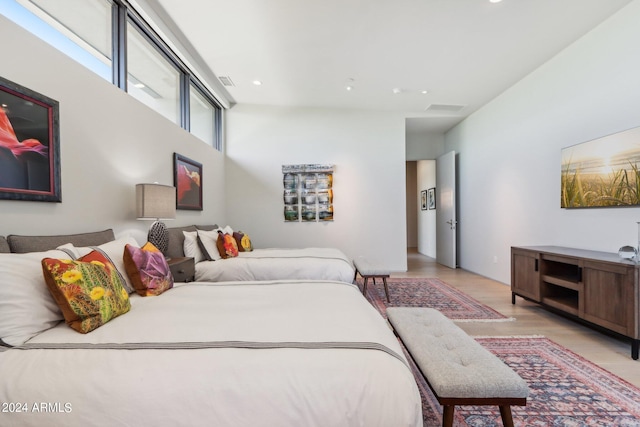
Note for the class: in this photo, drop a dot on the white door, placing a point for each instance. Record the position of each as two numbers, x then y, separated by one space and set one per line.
446 210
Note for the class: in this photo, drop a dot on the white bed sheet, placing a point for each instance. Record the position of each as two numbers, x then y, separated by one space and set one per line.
221 381
279 264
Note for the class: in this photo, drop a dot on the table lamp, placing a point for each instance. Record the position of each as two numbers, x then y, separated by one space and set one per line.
157 202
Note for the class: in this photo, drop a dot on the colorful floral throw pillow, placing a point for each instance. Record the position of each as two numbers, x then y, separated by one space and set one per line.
88 291
227 245
148 269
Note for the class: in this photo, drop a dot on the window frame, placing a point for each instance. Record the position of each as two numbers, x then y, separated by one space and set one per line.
122 14
164 54
126 15
217 109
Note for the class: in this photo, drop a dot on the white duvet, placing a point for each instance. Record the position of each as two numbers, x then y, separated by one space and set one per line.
243 354
279 264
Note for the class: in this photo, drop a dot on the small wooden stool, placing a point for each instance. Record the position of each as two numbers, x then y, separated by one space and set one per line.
368 271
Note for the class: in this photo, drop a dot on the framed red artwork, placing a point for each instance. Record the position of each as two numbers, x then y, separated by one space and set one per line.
29 145
187 178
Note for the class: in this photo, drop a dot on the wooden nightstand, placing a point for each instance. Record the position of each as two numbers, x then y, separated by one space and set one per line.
183 269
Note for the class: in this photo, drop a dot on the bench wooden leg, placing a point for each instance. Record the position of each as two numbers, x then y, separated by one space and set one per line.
447 415
448 411
364 287
386 288
505 413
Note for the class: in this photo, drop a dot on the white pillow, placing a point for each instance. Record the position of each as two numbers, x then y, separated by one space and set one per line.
69 249
192 247
26 305
228 230
209 240
114 251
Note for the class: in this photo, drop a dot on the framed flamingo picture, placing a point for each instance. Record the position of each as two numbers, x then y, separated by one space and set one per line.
187 178
29 145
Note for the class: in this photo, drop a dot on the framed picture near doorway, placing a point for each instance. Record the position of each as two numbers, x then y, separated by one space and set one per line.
423 200
431 198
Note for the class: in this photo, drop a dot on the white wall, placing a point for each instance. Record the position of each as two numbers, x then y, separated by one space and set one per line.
424 146
509 151
426 178
368 150
108 143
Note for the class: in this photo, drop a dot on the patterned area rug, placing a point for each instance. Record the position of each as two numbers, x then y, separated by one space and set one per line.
566 390
433 293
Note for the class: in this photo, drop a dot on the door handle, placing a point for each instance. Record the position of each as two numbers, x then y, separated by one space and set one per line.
452 223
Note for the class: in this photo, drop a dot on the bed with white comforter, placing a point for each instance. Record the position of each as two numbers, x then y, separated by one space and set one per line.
279 264
273 354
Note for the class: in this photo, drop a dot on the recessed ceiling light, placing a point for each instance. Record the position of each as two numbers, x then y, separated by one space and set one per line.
349 83
424 92
495 1
397 90
257 82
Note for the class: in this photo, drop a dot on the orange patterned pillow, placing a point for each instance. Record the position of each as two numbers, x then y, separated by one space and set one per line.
227 245
89 291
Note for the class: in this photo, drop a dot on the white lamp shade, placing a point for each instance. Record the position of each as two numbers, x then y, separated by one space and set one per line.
155 201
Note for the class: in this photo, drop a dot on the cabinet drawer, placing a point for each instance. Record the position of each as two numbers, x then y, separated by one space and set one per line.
525 274
608 297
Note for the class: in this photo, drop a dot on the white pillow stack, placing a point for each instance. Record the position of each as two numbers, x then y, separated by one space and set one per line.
209 240
26 305
192 247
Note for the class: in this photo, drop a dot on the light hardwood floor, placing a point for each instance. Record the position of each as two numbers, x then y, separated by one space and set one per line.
613 354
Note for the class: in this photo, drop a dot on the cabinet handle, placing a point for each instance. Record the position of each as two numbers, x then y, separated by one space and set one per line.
579 274
536 265
181 271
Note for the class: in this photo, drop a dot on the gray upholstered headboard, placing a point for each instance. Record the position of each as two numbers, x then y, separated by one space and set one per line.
175 249
4 246
176 239
23 244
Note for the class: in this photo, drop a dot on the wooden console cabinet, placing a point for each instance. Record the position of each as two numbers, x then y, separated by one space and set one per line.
597 287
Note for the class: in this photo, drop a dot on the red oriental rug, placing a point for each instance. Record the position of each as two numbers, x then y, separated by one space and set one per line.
427 292
565 390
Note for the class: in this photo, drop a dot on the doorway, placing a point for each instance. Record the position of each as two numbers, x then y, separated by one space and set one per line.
421 221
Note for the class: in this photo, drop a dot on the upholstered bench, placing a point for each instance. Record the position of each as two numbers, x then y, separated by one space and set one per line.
369 271
457 368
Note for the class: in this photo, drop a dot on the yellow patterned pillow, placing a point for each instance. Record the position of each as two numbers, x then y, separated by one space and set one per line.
89 291
243 241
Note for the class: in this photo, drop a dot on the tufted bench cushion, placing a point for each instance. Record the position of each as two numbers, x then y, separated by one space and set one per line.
369 271
458 369
366 268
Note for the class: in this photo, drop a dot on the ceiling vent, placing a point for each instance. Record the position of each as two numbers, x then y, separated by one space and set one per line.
226 81
444 108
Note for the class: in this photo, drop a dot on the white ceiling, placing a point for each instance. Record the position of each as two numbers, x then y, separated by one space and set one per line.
463 52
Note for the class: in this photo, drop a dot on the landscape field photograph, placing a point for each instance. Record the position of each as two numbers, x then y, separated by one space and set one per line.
602 172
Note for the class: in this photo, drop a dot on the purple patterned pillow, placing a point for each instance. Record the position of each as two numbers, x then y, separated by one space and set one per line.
148 269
